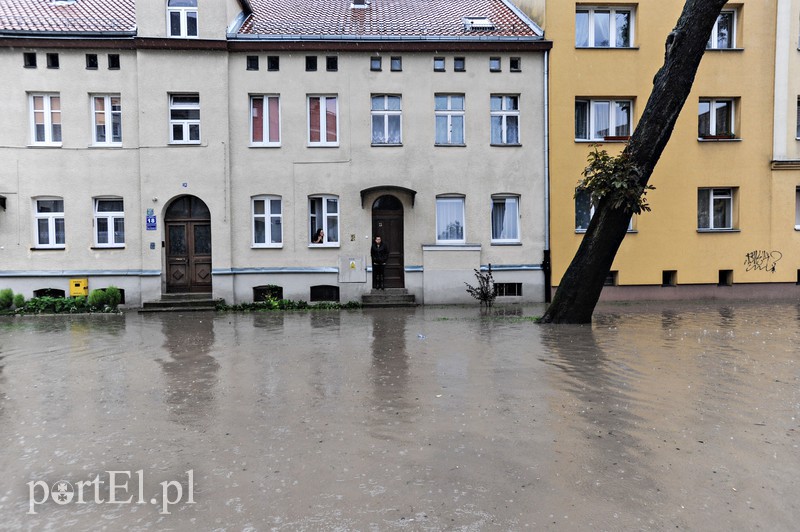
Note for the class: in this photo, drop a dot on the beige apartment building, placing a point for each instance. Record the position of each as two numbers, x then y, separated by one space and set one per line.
175 146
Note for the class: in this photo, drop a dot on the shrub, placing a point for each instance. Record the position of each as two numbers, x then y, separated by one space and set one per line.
6 298
113 296
19 301
484 292
97 298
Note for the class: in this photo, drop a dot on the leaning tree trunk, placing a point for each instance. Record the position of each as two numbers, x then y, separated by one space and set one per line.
580 287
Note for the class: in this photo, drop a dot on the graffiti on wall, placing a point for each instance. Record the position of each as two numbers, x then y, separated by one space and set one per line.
761 259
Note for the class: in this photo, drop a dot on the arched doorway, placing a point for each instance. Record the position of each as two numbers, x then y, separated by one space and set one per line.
187 223
387 221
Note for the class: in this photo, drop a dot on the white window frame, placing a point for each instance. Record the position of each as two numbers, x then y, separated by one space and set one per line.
712 121
505 113
382 115
323 219
457 201
713 40
586 196
268 218
612 25
106 118
508 217
323 124
265 122
110 218
797 208
185 123
448 113
183 13
592 118
51 119
51 218
797 132
727 194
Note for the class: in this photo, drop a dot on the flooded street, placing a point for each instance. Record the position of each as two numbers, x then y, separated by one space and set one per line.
666 416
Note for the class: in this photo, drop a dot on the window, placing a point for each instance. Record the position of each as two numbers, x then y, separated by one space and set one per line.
508 289
91 61
505 119
182 18
273 63
311 63
107 114
375 64
268 291
603 119
332 63
323 292
46 119
52 60
714 209
265 120
323 126
450 220
494 64
396 64
505 219
725 278
387 125
267 221
603 27
184 118
715 119
438 64
113 61
515 64
797 134
252 62
669 278
584 211
49 220
797 208
723 35
109 222
459 64
323 214
449 119
29 60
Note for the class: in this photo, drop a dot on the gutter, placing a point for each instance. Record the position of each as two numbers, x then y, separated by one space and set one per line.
546 254
373 38
27 34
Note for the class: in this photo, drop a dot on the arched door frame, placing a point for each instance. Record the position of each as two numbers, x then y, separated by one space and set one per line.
187 245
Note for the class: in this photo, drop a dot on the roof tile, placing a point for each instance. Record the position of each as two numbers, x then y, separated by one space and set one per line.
81 16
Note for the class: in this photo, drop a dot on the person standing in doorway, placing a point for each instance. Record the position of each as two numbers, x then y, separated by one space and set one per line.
380 254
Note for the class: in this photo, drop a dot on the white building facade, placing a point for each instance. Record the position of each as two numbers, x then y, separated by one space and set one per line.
199 146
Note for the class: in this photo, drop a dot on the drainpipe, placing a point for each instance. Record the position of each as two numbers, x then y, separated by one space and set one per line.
546 255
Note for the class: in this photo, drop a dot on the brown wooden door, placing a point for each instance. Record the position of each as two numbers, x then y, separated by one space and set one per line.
387 221
188 246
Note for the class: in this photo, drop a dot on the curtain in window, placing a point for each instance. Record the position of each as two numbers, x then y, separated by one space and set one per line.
703 221
602 22
623 29
274 114
622 119
601 113
724 30
704 119
332 211
450 219
314 119
442 129
722 110
722 209
505 214
582 28
257 113
581 119
330 119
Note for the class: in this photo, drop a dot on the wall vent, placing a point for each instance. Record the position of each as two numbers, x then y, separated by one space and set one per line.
477 23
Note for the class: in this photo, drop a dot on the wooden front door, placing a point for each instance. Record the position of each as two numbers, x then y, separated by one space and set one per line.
188 246
387 221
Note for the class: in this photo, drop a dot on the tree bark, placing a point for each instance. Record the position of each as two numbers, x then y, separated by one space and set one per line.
580 287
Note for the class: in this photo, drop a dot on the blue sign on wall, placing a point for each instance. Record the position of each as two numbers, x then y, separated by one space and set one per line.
150 222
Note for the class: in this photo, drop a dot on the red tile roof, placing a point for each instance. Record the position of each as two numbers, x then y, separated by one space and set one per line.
80 16
382 19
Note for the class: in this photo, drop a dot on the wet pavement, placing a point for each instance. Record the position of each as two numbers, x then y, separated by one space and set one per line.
665 416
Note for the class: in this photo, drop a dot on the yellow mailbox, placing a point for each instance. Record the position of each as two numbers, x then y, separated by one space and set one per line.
78 287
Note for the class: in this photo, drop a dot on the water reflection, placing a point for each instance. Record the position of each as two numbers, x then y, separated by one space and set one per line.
191 372
389 372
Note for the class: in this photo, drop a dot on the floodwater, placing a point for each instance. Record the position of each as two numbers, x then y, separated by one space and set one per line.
666 416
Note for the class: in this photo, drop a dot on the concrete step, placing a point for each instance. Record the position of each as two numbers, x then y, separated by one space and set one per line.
391 297
181 303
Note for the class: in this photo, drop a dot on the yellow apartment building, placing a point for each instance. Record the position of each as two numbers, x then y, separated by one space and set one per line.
726 209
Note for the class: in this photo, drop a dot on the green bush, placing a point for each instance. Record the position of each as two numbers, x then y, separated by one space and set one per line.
97 298
113 297
6 298
19 301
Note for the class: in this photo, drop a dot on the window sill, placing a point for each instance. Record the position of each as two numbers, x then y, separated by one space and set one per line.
107 247
62 248
506 145
273 246
506 243
718 230
629 231
606 47
605 140
255 145
718 139
455 246
455 145
724 49
45 145
116 145
322 145
323 246
184 144
387 145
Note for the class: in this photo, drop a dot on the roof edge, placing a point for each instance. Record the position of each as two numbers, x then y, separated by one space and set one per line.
525 18
24 34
